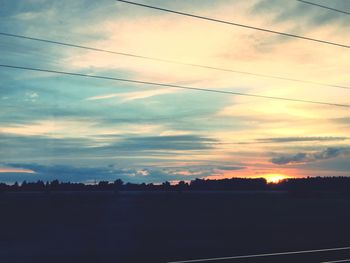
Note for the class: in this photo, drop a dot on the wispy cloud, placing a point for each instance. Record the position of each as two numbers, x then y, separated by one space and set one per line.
301 139
15 170
56 128
137 95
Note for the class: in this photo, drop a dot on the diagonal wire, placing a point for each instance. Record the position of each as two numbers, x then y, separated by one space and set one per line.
171 61
174 86
237 24
325 7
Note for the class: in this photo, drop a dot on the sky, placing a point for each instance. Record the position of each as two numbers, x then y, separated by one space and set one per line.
85 130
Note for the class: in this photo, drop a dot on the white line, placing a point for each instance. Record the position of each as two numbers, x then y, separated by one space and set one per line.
336 261
265 255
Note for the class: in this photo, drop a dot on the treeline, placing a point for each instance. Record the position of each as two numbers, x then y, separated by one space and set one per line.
309 184
334 184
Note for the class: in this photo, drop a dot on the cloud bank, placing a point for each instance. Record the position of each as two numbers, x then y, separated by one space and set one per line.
302 157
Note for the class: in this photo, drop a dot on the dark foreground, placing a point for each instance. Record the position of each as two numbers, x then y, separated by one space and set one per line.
164 227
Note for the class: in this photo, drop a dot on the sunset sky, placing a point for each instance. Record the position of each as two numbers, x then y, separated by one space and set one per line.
82 129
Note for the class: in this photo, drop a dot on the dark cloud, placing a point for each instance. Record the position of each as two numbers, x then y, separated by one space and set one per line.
344 121
328 153
71 173
16 147
301 19
334 165
178 142
230 168
297 158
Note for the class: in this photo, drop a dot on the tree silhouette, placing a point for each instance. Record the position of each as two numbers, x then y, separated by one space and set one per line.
295 185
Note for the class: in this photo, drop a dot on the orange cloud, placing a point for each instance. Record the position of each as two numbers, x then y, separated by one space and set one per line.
15 170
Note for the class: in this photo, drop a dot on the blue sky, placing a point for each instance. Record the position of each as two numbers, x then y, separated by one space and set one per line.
80 129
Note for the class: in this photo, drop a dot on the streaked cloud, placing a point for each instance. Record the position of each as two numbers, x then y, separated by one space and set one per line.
134 95
328 153
75 128
301 139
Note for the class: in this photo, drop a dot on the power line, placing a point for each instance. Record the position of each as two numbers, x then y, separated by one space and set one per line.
173 86
325 7
237 24
265 255
171 61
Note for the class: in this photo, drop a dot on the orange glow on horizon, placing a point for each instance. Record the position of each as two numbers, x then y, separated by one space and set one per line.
270 175
274 177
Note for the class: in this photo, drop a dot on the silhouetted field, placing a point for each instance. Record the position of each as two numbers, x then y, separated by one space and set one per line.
136 226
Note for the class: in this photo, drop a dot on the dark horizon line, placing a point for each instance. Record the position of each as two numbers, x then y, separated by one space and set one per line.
307 184
177 181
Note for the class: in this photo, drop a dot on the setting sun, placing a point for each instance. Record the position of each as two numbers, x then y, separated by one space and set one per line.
274 178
